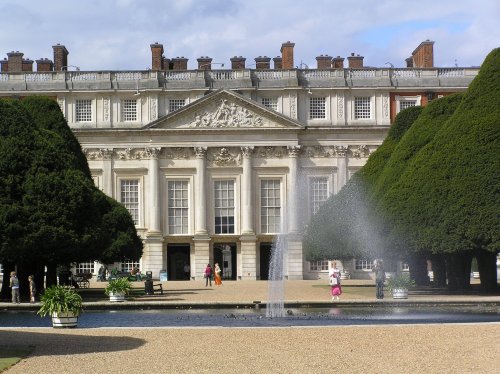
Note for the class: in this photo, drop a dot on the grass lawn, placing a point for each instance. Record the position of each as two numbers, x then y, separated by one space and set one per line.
11 355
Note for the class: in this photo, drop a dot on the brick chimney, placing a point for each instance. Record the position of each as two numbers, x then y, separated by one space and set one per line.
156 56
60 57
338 62
287 55
324 62
15 62
262 62
423 55
179 63
44 64
5 65
204 63
409 62
237 62
355 61
278 62
165 63
27 65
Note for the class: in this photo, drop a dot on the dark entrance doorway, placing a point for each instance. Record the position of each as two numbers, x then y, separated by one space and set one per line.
177 258
265 257
225 255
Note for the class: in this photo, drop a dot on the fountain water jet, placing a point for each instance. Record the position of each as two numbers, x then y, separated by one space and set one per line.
276 286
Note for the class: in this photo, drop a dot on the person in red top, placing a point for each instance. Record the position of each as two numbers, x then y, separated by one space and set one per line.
334 277
208 275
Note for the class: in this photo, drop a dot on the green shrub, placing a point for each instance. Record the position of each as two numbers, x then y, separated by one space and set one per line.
60 299
118 285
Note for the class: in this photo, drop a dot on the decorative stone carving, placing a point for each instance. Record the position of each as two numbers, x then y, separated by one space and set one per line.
293 150
293 106
341 150
106 105
360 151
227 115
133 154
224 158
178 153
200 152
152 152
318 151
154 111
385 105
271 152
106 153
247 151
340 107
98 154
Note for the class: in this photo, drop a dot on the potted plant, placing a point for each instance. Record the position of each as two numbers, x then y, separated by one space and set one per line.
118 288
399 284
63 304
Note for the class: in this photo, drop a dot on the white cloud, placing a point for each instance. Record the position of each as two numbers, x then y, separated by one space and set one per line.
116 34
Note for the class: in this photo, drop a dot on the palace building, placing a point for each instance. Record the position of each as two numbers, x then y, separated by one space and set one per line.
214 163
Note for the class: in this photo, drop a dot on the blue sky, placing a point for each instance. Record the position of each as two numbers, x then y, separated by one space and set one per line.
116 34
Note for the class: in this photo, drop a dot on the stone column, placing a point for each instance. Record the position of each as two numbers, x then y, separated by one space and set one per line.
107 171
200 192
293 153
341 152
154 188
247 221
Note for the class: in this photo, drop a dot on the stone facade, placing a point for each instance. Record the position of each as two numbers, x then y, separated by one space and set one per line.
213 164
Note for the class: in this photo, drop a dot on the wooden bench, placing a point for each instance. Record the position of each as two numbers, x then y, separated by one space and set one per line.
158 288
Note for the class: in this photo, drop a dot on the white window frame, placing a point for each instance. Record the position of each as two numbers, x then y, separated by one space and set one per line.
84 267
124 107
128 266
312 179
184 230
233 207
139 221
319 266
89 105
314 117
363 264
173 104
354 107
399 99
270 102
261 207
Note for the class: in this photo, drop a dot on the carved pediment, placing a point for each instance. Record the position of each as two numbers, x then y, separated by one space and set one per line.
224 109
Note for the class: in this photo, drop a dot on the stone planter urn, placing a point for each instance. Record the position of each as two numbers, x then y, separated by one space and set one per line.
400 293
116 296
64 319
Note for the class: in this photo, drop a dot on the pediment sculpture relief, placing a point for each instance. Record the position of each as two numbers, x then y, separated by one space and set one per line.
227 115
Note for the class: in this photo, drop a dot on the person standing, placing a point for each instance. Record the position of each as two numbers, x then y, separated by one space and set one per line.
31 281
379 278
334 279
218 279
208 275
14 285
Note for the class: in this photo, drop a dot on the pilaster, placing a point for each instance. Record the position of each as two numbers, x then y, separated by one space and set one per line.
201 194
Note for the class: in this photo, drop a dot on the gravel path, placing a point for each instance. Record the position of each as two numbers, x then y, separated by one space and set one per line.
377 349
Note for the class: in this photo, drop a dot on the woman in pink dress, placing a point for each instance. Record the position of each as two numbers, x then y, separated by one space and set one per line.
334 278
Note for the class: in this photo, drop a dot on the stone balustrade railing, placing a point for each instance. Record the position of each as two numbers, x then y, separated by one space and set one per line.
153 79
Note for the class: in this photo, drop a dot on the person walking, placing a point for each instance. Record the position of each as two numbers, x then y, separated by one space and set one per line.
378 268
31 281
207 274
14 285
334 279
217 271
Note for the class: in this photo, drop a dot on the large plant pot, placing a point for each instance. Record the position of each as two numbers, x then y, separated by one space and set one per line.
68 319
400 293
116 296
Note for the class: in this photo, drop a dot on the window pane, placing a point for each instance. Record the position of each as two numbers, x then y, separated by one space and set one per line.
129 110
83 110
178 207
317 108
129 191
270 208
224 206
362 108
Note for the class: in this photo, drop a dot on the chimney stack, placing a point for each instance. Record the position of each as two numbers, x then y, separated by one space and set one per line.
262 62
409 62
27 65
5 65
15 62
238 62
44 64
423 55
179 63
355 61
338 62
324 62
287 55
278 62
204 63
156 56
60 57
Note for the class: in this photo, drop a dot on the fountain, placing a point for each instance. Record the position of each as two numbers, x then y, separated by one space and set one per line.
276 289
